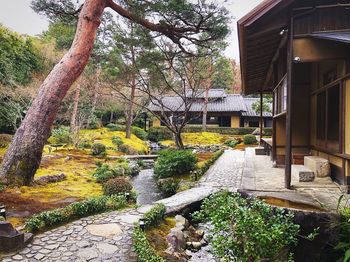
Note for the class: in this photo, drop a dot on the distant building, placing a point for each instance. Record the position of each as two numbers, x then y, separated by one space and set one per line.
224 110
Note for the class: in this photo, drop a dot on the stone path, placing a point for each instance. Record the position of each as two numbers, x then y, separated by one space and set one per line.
107 237
104 237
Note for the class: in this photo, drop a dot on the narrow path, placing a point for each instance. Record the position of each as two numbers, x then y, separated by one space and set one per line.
107 237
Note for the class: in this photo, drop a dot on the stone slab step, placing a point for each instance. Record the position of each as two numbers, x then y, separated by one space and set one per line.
304 173
318 165
260 151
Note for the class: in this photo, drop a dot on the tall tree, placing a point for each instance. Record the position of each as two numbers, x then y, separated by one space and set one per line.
181 21
223 73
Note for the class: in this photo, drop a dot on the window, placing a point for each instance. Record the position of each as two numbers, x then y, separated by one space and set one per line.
333 118
281 97
328 118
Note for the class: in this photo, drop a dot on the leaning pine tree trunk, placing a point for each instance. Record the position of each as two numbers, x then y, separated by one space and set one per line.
23 157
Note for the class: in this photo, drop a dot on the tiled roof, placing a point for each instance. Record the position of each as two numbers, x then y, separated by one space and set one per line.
213 93
228 103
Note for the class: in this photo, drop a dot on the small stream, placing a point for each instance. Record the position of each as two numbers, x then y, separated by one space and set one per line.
146 188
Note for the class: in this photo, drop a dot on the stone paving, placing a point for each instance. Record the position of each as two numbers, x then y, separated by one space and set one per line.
107 237
260 176
104 237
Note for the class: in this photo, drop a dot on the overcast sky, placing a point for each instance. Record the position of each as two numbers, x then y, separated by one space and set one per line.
17 15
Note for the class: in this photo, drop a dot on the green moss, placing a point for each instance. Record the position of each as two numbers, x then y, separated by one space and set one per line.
157 236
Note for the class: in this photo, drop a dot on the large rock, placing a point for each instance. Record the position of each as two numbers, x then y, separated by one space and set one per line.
318 165
50 179
10 238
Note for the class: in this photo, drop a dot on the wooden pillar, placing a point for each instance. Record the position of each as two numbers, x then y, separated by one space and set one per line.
288 152
261 116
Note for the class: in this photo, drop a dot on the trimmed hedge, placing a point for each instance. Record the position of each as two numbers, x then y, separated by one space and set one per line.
157 134
74 211
139 132
153 217
200 171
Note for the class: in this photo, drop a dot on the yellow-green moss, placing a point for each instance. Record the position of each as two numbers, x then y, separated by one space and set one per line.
157 236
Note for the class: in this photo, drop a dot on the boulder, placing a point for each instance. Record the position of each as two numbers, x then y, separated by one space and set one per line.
318 165
50 179
181 222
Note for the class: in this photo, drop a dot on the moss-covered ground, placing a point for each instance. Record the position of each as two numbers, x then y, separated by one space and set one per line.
76 164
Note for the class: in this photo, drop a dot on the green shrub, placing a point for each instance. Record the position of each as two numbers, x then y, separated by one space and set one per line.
249 140
157 134
143 249
139 132
104 172
94 123
2 187
98 149
198 172
85 145
231 142
227 130
74 211
168 185
115 127
246 229
128 150
60 135
174 162
116 140
153 217
115 186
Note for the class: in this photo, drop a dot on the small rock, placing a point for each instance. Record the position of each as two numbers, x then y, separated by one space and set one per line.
196 245
107 248
181 222
17 257
39 256
83 244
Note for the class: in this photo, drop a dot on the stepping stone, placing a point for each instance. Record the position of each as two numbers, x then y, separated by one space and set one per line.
130 219
107 248
87 254
104 230
305 174
260 151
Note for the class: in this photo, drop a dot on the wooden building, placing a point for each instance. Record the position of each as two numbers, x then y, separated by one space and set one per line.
299 50
224 110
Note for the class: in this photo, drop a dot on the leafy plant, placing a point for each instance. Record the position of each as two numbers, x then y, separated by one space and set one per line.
246 229
157 134
168 185
116 140
231 143
128 149
139 132
174 162
145 252
154 216
115 127
249 139
342 226
115 186
73 211
98 149
104 172
60 135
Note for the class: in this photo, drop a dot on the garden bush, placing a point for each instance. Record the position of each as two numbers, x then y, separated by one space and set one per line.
74 211
153 217
98 149
115 186
157 134
104 172
85 145
168 185
174 162
227 130
116 140
60 135
200 170
249 140
231 142
247 229
128 150
115 127
139 132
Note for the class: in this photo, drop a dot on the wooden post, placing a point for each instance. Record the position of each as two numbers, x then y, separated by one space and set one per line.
288 152
261 117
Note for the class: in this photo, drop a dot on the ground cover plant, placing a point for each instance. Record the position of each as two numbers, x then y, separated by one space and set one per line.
247 229
75 210
141 245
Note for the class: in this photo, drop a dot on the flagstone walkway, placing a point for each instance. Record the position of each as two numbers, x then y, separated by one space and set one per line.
108 236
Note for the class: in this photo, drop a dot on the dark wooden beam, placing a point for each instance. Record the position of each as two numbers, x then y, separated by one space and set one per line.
261 116
288 152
